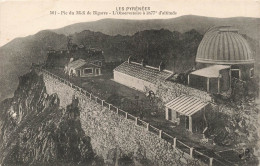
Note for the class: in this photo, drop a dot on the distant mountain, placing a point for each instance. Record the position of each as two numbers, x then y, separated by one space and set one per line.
246 25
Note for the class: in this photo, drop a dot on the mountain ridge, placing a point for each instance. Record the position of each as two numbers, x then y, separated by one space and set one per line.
181 24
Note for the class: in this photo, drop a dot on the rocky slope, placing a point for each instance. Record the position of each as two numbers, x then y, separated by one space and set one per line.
35 130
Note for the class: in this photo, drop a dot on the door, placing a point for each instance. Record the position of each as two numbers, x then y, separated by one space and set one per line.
78 72
169 114
184 121
97 72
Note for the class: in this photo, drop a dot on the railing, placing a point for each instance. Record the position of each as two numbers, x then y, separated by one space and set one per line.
154 130
132 117
123 113
113 108
99 101
138 122
142 123
105 104
201 156
185 148
167 137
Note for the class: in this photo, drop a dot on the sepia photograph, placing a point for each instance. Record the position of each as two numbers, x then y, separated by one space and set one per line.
129 83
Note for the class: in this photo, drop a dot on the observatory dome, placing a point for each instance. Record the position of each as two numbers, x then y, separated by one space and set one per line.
224 45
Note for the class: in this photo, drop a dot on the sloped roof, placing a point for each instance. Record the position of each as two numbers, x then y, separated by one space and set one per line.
76 64
88 55
149 74
211 71
89 65
224 45
186 105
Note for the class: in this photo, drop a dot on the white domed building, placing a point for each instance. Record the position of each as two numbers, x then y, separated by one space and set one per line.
222 54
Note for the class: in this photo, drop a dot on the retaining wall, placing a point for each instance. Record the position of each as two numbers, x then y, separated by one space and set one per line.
110 132
114 132
167 91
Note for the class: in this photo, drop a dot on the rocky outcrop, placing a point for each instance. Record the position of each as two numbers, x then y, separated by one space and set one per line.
35 130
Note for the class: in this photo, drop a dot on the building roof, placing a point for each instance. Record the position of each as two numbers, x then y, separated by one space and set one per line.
211 71
224 45
148 73
89 55
76 64
186 105
90 65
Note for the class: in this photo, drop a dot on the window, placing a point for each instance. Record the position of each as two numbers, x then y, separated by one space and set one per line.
97 71
251 72
88 71
177 115
235 73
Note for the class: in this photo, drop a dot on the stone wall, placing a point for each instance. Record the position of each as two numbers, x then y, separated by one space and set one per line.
64 92
113 135
133 82
167 91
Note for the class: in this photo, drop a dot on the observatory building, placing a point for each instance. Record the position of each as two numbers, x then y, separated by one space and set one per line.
222 54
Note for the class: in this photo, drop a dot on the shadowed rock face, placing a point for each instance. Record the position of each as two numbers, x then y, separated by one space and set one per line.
35 130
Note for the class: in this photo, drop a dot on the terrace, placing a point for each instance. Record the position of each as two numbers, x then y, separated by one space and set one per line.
132 103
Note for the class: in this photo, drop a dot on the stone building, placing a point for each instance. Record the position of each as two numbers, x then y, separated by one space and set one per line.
140 76
81 68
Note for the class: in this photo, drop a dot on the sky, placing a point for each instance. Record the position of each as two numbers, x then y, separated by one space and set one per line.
27 17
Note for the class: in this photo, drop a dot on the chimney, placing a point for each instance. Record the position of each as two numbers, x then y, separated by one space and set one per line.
161 66
143 63
129 59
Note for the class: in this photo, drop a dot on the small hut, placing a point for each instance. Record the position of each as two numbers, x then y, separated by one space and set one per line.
188 112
